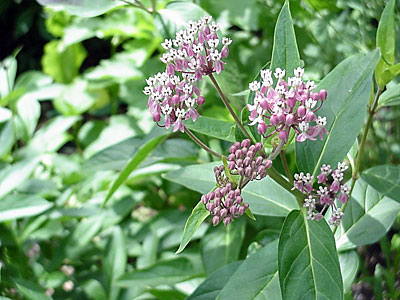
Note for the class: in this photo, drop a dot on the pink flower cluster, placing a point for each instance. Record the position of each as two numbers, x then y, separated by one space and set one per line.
290 104
192 54
327 192
225 202
246 160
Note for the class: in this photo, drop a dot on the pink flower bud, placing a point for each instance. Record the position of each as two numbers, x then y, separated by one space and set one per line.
211 196
238 153
224 51
264 104
289 119
246 161
241 210
210 206
223 212
262 128
301 111
238 200
227 221
228 187
156 117
237 192
259 160
201 100
310 116
274 120
258 146
246 143
315 96
323 94
231 165
215 220
268 163
281 118
283 135
204 199
233 209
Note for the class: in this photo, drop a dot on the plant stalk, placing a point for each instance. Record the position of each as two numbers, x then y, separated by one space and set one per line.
286 166
201 144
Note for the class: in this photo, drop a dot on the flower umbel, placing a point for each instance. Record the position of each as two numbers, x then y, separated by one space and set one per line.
290 104
327 192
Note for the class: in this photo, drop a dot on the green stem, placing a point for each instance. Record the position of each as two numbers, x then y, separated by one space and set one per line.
201 144
277 177
286 166
355 172
228 106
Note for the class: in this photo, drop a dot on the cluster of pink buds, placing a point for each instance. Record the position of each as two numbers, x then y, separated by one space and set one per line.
327 192
196 51
224 203
174 98
248 161
290 104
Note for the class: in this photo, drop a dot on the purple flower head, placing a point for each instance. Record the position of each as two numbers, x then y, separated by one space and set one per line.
287 105
324 196
173 98
225 203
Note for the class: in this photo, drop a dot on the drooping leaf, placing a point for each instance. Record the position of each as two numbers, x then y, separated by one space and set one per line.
18 206
163 272
390 97
83 8
135 161
198 215
307 260
265 197
385 179
368 216
349 263
285 54
349 87
219 129
221 245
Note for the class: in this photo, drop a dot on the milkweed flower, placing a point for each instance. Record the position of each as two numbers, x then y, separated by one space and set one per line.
328 190
290 104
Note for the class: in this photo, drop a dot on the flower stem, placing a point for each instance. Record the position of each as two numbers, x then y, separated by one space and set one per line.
355 172
277 177
286 167
201 144
228 106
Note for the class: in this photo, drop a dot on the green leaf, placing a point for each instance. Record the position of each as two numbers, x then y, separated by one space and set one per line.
369 215
5 114
212 286
219 129
8 71
7 138
307 260
62 63
198 215
169 294
13 175
82 8
30 290
390 97
175 15
115 261
265 197
385 40
166 272
18 206
349 263
349 88
135 161
260 273
28 111
385 179
221 245
285 54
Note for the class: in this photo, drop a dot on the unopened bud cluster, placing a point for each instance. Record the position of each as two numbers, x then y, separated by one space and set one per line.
224 203
247 160
328 190
196 51
290 104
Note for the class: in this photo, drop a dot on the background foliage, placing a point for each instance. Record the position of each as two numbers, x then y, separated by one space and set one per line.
72 116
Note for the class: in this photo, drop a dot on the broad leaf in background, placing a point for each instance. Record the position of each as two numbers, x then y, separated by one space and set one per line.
175 15
28 114
349 263
83 8
135 161
385 179
221 245
307 260
163 272
30 290
390 97
20 206
386 69
369 215
349 88
13 175
219 129
7 137
265 197
198 215
115 261
285 54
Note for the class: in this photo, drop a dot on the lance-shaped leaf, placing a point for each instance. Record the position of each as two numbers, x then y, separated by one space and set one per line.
219 129
265 196
349 88
369 215
285 54
385 179
349 263
307 260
